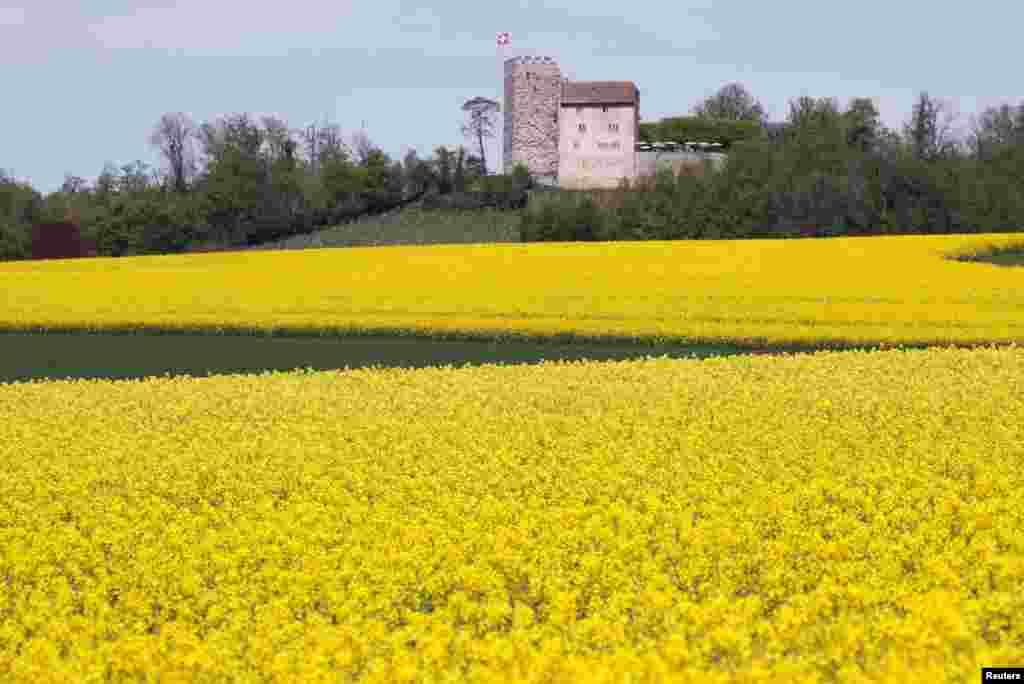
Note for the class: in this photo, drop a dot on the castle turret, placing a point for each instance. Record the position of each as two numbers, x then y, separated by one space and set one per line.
533 91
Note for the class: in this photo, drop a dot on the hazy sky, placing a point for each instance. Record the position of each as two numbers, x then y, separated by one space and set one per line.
84 82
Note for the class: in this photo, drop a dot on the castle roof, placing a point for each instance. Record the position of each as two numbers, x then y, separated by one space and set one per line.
599 92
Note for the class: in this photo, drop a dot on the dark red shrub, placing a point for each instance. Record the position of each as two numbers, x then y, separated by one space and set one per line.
60 241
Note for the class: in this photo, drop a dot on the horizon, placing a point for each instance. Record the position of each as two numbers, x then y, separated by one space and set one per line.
406 70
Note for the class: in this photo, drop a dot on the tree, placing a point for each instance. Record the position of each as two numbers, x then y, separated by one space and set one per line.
481 122
322 145
20 208
416 173
815 135
341 180
283 169
237 177
332 145
19 203
235 131
929 138
379 174
135 178
807 114
995 129
474 167
443 169
173 136
731 102
73 184
361 146
234 190
277 138
863 123
106 186
459 175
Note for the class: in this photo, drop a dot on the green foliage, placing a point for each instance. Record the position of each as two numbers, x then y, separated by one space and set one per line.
20 207
148 222
827 172
1000 255
521 176
832 173
459 172
700 129
413 225
444 169
570 217
15 241
731 102
503 192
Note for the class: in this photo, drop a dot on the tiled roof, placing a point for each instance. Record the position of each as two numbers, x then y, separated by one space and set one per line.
599 92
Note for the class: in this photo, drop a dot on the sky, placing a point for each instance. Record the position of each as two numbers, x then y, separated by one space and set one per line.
84 83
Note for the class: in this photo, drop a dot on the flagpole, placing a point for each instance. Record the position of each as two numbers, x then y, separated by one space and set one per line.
503 39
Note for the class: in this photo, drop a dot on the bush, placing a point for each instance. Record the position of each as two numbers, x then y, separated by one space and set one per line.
496 192
454 200
61 240
565 221
521 177
15 241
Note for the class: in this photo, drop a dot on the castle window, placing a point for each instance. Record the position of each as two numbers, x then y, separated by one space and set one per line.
604 109
613 127
582 128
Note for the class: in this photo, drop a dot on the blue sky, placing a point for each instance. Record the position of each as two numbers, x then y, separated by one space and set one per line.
85 83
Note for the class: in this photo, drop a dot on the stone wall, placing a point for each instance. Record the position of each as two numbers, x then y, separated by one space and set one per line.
533 92
648 162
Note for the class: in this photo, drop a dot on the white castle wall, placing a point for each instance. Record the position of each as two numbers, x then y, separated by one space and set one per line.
603 152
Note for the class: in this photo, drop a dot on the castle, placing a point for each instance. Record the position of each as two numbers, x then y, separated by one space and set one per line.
578 135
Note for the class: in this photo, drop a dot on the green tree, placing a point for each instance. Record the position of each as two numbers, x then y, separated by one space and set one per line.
928 137
459 173
107 184
444 169
863 123
234 185
20 207
810 115
236 181
997 128
732 102
416 173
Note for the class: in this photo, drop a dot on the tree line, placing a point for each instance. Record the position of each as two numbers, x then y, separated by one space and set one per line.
238 181
824 171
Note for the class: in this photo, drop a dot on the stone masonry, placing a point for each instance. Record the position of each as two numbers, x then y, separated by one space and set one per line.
533 91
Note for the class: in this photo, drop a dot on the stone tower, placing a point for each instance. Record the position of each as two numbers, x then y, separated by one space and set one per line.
533 93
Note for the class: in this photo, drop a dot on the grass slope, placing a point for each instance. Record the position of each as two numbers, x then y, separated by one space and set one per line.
412 226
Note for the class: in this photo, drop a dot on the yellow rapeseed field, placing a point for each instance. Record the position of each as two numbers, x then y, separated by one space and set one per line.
841 516
865 291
